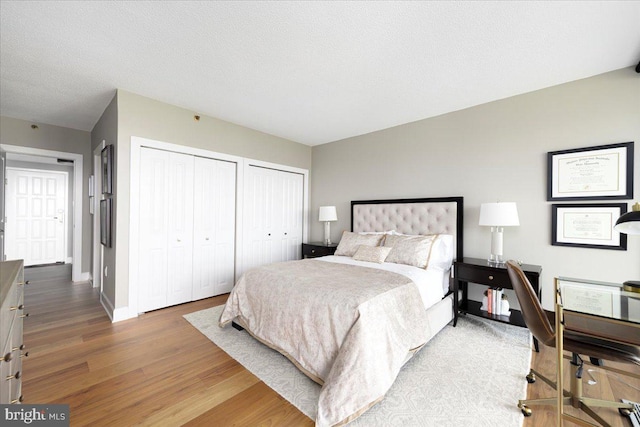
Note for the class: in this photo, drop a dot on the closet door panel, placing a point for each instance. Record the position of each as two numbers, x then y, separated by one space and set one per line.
153 244
259 219
291 215
179 204
214 227
273 216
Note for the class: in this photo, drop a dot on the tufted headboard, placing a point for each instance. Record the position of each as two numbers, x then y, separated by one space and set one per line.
438 215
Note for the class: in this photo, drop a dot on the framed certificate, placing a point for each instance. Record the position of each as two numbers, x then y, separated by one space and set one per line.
602 172
588 225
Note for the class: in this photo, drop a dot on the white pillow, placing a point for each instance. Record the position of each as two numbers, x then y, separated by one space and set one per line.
442 252
410 250
350 242
372 253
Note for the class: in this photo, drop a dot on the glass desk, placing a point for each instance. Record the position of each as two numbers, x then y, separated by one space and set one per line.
600 310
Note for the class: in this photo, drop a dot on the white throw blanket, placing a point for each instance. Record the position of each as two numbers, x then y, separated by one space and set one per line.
347 327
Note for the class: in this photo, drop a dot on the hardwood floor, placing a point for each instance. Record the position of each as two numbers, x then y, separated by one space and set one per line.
159 370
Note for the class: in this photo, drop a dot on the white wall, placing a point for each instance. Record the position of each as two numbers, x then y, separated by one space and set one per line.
493 152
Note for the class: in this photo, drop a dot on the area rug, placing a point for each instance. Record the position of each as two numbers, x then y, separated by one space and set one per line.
470 375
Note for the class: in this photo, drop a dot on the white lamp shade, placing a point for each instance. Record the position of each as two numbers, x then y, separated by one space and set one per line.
328 213
501 214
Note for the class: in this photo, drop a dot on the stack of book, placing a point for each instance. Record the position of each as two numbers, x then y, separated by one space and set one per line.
494 302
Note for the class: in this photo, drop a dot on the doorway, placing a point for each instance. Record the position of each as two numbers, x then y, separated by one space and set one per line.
37 216
75 219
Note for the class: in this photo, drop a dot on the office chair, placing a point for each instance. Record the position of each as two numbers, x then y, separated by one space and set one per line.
597 349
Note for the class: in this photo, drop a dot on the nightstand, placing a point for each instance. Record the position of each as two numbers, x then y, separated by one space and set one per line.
479 271
316 249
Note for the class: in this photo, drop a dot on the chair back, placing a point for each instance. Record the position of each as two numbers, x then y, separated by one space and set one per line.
532 311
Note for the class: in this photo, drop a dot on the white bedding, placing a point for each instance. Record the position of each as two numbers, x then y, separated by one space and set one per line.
433 284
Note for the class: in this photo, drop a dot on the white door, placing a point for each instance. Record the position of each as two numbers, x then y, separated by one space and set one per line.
274 210
166 228
179 204
36 210
214 227
291 216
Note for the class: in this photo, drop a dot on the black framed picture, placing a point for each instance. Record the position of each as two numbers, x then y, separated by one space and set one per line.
107 169
591 173
105 222
587 225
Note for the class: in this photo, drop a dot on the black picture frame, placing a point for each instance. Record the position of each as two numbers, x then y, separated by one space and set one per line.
603 172
586 225
105 222
107 169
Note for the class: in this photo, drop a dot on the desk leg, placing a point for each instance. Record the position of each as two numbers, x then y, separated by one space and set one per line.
559 362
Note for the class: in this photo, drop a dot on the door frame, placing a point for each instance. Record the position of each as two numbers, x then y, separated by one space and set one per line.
97 252
66 223
76 267
137 144
134 210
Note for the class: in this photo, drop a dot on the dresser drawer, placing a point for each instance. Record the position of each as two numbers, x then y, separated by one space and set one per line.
489 277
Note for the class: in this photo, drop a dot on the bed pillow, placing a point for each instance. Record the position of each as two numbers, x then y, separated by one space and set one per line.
371 253
441 253
350 242
410 250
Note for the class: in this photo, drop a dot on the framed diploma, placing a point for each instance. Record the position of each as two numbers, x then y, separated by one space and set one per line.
602 172
588 225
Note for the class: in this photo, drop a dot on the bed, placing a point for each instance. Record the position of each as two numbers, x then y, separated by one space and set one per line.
352 320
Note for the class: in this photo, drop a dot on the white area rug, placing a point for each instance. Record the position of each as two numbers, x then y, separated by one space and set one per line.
470 375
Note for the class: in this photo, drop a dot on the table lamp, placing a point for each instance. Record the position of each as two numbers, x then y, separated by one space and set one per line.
327 214
629 223
498 215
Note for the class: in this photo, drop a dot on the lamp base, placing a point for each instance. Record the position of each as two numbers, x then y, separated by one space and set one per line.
495 259
631 286
327 233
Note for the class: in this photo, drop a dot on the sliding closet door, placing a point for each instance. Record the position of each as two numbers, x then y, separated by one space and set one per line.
214 227
166 229
274 212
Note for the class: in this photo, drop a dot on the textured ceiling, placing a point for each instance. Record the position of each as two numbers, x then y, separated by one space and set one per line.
311 72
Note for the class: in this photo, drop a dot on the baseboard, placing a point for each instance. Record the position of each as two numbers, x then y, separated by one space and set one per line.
121 314
115 314
84 277
106 304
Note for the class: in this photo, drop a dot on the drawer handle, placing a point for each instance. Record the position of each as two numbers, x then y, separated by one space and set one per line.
16 376
26 282
7 357
14 308
490 277
22 347
24 315
24 355
313 251
18 400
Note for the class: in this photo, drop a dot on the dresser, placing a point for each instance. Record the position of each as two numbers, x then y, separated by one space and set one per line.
11 318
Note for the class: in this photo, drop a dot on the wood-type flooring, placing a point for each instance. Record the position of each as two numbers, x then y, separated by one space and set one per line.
158 370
